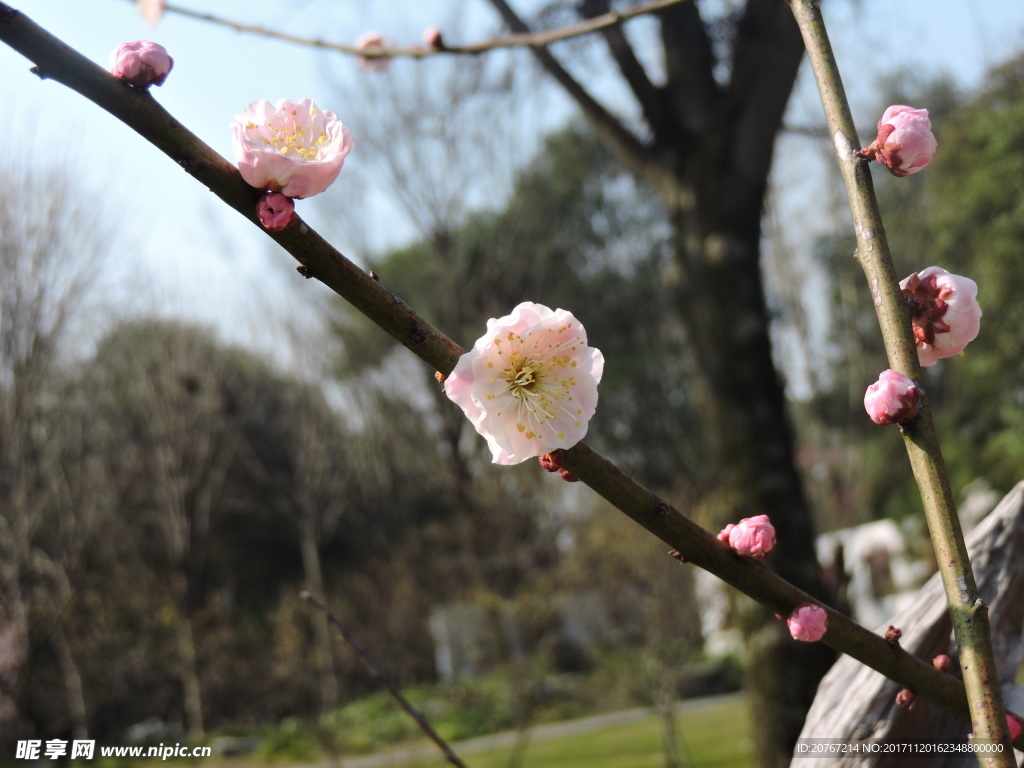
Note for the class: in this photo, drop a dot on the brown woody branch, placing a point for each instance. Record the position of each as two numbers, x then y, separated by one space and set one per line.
515 40
638 157
375 672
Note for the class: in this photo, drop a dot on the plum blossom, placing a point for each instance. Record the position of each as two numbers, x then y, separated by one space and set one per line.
369 40
275 211
292 147
807 622
947 316
893 399
751 537
528 385
141 63
942 662
151 11
905 142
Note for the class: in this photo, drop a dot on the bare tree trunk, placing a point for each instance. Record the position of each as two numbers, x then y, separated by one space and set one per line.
324 662
188 665
189 674
73 689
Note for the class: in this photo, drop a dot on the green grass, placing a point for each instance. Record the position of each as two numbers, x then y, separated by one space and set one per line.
715 735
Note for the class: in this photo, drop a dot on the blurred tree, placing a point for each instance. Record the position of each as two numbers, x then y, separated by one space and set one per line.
176 406
51 254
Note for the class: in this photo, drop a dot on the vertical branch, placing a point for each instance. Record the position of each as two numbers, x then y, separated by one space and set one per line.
968 613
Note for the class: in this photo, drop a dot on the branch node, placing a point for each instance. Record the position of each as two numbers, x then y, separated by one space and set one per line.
305 271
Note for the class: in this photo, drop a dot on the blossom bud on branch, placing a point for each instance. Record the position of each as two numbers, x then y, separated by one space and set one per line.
893 399
369 41
905 142
752 537
946 313
808 622
276 211
141 63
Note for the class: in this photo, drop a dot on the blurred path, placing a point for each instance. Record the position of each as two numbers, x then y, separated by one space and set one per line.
508 738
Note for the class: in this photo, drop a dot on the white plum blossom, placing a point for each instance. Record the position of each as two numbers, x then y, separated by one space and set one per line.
528 385
292 147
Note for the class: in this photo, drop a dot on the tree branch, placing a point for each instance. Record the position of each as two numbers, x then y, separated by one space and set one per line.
649 96
967 611
634 154
524 40
319 259
767 52
380 677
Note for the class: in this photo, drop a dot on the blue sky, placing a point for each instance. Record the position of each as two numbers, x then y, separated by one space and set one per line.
195 256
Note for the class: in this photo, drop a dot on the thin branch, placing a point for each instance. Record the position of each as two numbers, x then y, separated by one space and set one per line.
319 259
967 611
515 40
648 95
380 677
633 152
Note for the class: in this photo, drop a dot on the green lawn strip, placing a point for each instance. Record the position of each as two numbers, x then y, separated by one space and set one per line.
715 735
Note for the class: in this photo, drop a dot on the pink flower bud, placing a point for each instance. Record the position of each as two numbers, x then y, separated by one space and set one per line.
1014 726
942 662
373 40
151 10
141 63
893 399
905 142
432 38
947 316
807 622
276 211
751 537
552 462
905 698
